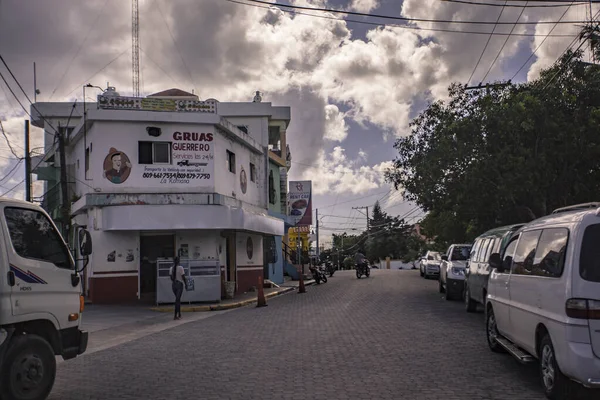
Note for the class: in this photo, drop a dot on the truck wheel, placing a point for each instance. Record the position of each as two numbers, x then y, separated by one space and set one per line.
29 369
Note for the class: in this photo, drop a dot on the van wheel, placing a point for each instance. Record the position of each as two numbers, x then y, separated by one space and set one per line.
470 305
492 332
29 369
556 385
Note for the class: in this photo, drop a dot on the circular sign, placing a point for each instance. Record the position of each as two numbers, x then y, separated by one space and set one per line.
243 181
116 167
249 248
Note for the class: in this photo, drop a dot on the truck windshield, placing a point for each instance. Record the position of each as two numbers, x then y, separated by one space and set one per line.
461 253
589 261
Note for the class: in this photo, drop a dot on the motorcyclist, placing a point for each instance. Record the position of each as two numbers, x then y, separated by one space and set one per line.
359 259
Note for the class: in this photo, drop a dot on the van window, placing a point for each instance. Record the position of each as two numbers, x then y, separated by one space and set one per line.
525 253
33 236
550 254
509 253
473 255
589 261
490 249
480 250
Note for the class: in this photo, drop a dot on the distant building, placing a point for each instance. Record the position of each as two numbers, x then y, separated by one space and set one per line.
170 174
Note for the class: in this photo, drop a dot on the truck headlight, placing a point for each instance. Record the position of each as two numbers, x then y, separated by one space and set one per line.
457 271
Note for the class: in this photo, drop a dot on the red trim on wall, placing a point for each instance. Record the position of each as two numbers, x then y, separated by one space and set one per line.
247 279
114 289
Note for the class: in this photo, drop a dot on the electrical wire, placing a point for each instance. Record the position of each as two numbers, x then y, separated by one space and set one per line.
12 150
406 19
514 5
409 27
487 44
540 45
505 41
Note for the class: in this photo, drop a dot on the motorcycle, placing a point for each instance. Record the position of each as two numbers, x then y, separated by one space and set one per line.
363 269
318 274
329 268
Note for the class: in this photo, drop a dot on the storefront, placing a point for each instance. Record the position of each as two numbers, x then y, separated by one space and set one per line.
134 246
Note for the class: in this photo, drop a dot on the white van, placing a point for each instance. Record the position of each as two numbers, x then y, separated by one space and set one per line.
40 300
543 299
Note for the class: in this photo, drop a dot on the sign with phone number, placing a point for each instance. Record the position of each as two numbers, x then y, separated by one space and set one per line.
175 175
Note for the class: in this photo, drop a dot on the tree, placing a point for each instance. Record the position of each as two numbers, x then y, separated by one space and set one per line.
504 155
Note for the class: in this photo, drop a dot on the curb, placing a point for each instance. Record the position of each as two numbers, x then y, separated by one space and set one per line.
219 307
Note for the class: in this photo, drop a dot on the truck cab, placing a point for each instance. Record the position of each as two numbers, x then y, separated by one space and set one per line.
40 300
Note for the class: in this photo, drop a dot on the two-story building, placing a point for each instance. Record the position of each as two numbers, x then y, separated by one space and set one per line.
170 175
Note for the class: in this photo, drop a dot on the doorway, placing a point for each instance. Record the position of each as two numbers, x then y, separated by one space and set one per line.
153 247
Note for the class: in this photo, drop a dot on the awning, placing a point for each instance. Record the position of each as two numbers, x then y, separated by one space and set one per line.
181 217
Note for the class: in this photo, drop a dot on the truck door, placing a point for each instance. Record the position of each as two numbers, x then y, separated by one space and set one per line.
42 266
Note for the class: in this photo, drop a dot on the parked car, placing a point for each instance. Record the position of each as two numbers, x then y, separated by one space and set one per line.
430 264
478 269
544 299
452 270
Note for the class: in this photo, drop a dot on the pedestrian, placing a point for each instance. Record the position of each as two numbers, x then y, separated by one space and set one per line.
179 282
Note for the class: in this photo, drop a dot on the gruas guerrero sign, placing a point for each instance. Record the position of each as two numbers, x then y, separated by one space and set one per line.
192 160
300 202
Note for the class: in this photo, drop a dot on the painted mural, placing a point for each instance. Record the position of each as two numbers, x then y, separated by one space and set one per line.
117 166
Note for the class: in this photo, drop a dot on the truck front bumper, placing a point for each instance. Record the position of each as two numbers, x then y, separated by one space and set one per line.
74 342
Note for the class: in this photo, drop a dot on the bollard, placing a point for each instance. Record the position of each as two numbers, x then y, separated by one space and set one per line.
301 288
261 301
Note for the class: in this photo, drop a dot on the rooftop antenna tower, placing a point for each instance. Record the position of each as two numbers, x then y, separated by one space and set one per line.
135 47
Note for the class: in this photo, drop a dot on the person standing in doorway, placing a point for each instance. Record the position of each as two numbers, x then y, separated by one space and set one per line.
179 282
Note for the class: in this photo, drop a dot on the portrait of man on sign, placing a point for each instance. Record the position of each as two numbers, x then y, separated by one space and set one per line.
117 166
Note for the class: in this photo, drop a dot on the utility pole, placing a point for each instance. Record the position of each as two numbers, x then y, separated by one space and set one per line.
27 164
368 223
65 207
318 250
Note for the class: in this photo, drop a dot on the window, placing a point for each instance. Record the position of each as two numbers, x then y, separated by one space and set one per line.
509 253
63 130
525 253
231 161
243 128
480 253
252 172
492 248
550 254
475 249
87 160
589 260
154 152
460 253
33 236
272 192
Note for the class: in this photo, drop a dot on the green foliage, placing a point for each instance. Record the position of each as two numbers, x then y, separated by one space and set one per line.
504 155
348 262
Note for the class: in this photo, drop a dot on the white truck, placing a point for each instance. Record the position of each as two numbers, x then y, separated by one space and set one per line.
40 300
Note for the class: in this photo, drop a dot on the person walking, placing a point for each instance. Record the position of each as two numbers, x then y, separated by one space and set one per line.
179 282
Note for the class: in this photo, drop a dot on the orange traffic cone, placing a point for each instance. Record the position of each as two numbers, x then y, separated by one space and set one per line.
261 301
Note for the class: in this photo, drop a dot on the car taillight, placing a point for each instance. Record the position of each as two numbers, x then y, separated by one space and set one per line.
583 309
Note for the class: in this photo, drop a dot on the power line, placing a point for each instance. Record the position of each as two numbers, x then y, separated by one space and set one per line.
406 19
12 150
515 5
409 27
540 45
505 41
486 44
13 169
350 201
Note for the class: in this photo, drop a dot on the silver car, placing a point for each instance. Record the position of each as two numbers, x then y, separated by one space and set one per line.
430 264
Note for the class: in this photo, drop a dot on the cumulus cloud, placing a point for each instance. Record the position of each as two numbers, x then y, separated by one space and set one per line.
228 51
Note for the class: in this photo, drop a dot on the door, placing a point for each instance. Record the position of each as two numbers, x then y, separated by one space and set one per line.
42 267
500 282
153 247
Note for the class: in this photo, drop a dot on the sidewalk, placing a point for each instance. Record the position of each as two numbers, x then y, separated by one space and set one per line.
239 301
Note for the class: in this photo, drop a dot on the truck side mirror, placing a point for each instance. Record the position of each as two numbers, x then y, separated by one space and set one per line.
445 257
85 243
496 262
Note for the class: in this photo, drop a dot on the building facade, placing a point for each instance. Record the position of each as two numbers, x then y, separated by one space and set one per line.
170 175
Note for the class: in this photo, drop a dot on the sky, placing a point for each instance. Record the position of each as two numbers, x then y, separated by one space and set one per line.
353 86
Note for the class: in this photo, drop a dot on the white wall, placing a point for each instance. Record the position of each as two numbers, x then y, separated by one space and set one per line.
241 244
126 248
202 245
124 137
228 183
258 127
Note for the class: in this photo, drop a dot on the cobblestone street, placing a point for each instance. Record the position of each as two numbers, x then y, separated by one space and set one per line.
390 336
